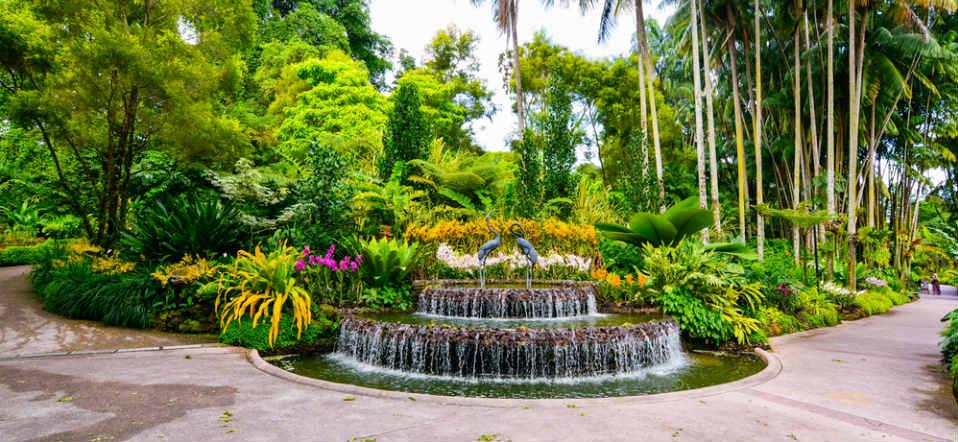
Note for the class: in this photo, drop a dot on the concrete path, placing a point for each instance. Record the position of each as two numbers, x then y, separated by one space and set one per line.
26 329
876 379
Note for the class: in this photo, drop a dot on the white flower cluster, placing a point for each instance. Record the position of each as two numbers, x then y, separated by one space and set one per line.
876 282
453 259
838 290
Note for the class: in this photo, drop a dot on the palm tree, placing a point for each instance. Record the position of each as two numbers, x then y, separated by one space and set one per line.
697 94
609 12
853 101
797 129
710 119
830 126
757 128
739 136
505 14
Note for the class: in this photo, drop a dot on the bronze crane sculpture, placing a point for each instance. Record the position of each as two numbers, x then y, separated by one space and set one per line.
530 252
486 249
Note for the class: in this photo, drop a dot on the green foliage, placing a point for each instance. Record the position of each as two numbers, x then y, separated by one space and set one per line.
262 285
140 75
388 297
680 221
636 179
324 194
74 290
339 108
558 150
387 263
775 322
407 131
244 334
949 346
391 203
619 257
528 189
20 255
687 270
184 225
873 303
816 310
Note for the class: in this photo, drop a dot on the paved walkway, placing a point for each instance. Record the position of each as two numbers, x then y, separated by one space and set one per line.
876 379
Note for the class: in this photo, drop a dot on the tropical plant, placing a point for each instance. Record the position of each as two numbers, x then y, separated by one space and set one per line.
705 293
184 225
407 131
390 203
387 263
264 285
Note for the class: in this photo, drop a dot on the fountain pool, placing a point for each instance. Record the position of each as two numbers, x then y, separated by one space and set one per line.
512 341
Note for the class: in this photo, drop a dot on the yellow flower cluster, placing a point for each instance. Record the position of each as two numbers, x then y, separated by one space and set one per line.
82 246
545 235
617 281
111 265
185 272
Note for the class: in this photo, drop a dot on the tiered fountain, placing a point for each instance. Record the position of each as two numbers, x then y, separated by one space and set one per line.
516 339
501 332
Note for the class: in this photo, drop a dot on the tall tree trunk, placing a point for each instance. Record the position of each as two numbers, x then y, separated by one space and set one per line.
697 95
640 65
830 130
739 141
650 80
757 122
710 119
520 106
797 129
853 100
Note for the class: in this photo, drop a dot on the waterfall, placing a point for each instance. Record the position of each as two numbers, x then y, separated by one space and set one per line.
520 353
516 303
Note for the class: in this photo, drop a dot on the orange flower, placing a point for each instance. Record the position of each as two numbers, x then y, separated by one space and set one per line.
642 279
628 279
614 280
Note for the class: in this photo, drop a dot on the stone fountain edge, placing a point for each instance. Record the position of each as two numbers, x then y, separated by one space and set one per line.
773 366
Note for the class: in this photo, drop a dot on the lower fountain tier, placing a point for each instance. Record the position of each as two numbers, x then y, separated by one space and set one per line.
563 301
509 353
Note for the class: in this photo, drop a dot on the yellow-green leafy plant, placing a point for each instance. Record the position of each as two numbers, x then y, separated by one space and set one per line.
263 284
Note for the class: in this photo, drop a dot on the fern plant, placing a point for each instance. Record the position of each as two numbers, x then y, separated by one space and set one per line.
263 285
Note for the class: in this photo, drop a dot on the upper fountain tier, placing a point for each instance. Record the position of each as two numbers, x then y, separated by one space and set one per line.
557 300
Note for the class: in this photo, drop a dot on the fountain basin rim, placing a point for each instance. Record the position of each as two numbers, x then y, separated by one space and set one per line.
484 329
773 366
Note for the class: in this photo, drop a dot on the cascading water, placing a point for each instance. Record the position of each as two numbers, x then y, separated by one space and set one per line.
520 353
543 333
508 303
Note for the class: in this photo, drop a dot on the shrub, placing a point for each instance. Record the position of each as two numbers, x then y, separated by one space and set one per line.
75 290
243 333
778 323
264 285
20 255
686 271
186 225
816 310
388 297
873 303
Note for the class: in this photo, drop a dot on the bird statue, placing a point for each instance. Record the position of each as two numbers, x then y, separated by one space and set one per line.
486 249
530 252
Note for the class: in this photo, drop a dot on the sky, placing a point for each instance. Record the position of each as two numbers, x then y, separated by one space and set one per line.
410 25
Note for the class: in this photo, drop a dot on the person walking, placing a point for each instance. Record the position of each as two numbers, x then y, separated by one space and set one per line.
935 284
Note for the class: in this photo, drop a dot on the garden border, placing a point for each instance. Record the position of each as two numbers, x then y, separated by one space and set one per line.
772 369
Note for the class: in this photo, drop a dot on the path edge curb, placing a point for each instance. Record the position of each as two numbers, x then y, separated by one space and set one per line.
773 366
